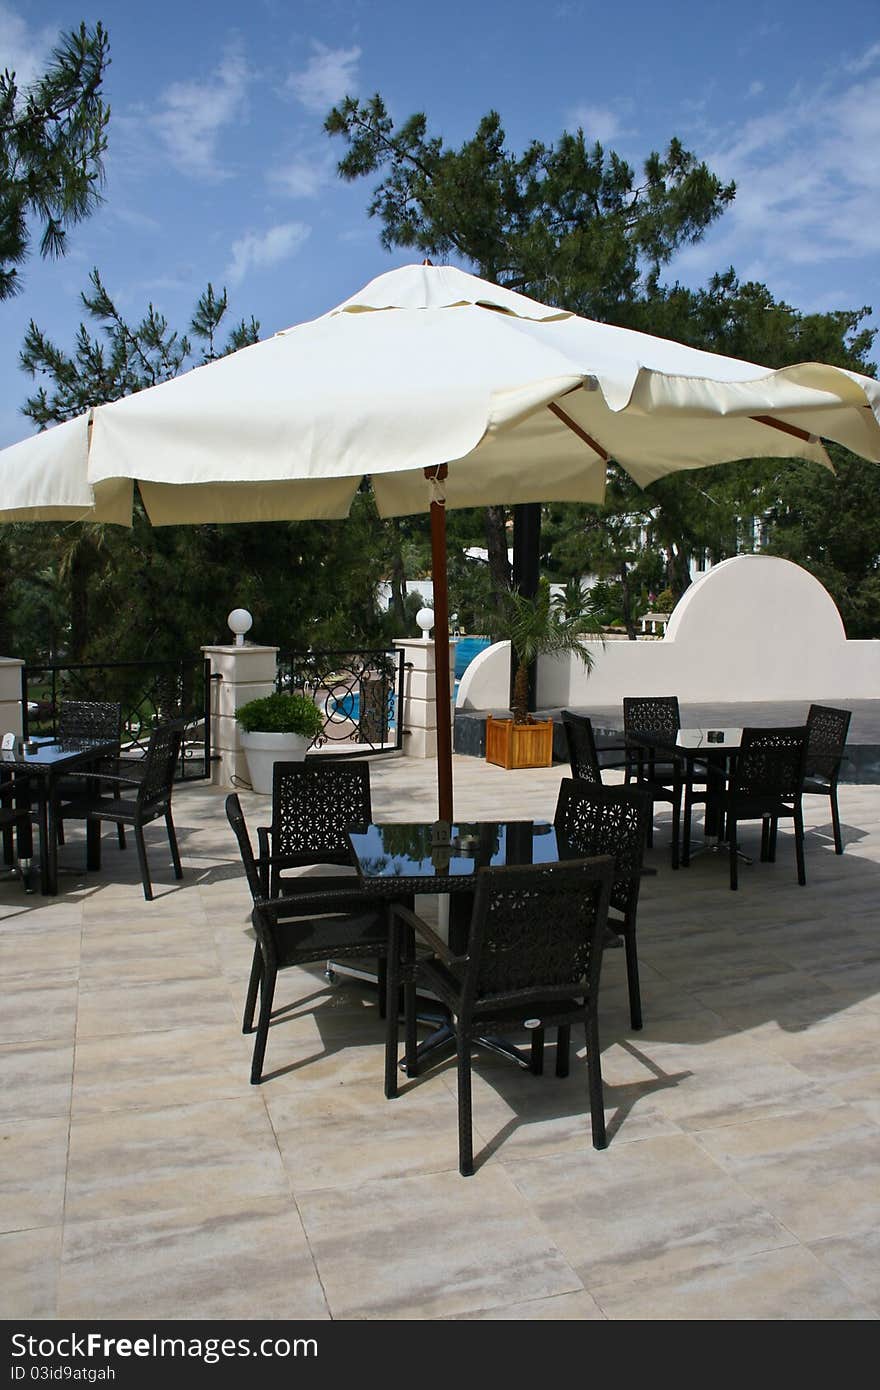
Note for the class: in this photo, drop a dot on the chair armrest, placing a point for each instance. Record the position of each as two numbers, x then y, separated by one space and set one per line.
427 934
113 777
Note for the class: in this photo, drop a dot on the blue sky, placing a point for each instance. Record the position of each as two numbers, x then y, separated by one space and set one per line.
218 167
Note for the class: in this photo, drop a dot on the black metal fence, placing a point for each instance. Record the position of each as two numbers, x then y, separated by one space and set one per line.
359 693
148 691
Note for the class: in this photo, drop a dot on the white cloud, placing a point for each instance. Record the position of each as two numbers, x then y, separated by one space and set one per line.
808 187
260 250
302 177
193 115
24 50
597 122
865 60
755 89
329 75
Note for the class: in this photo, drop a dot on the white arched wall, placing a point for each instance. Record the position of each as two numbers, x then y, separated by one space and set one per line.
752 628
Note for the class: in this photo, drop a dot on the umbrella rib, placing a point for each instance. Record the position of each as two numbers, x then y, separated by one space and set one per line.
786 428
576 429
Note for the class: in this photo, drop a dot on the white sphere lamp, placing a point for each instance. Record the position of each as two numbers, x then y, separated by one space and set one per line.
239 622
425 620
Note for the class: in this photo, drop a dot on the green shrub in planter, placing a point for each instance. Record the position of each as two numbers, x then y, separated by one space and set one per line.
281 714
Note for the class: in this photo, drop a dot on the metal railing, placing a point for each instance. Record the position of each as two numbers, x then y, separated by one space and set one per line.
359 694
149 692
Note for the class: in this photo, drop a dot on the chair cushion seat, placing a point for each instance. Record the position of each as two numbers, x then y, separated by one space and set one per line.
444 981
311 938
755 808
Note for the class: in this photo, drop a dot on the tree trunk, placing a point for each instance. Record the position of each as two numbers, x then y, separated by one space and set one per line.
521 694
496 544
82 567
678 569
626 602
398 577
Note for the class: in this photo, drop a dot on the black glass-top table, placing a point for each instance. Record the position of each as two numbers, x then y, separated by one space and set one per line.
48 760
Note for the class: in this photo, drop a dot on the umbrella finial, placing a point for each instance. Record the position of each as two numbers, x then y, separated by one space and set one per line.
427 262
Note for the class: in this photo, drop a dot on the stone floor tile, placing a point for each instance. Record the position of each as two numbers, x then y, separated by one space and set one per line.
248 1259
815 1171
653 1208
34 1165
774 1285
130 1162
431 1246
30 1261
36 1080
178 1066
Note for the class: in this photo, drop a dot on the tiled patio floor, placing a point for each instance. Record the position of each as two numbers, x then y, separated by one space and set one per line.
143 1177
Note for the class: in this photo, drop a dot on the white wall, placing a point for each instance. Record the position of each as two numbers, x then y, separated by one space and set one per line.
752 628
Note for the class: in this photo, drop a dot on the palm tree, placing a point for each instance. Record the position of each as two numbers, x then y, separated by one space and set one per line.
543 625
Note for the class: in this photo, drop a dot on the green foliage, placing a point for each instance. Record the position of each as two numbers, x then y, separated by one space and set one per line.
568 223
543 625
281 714
52 142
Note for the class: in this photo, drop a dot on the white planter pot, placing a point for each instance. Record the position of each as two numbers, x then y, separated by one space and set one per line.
264 750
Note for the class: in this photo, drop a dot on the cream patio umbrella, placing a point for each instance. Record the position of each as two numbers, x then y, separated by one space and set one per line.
445 390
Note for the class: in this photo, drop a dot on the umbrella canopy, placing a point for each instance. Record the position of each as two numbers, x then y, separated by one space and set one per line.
429 373
428 365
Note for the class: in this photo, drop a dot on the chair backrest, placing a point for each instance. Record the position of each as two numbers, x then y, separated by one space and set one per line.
235 816
581 744
86 719
536 932
163 751
314 805
651 716
593 820
770 763
827 729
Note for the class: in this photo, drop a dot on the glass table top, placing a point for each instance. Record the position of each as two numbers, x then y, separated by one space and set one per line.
437 849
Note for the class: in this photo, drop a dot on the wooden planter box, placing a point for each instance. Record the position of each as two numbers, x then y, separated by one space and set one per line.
519 745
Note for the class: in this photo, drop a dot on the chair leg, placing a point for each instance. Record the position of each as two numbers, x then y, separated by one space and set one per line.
734 856
563 1049
172 840
799 843
686 827
382 984
59 833
465 1109
835 821
120 834
142 860
771 850
250 1003
676 819
594 1081
392 987
632 979
765 839
8 846
649 841
267 994
536 1052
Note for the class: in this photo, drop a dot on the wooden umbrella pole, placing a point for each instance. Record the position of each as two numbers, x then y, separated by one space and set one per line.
441 645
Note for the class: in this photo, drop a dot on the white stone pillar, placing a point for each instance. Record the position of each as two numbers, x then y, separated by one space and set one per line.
419 712
246 673
10 695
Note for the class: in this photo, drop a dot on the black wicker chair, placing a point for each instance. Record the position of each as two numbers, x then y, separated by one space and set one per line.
134 794
583 756
766 785
314 805
647 720
15 821
86 719
533 958
592 820
300 929
827 729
